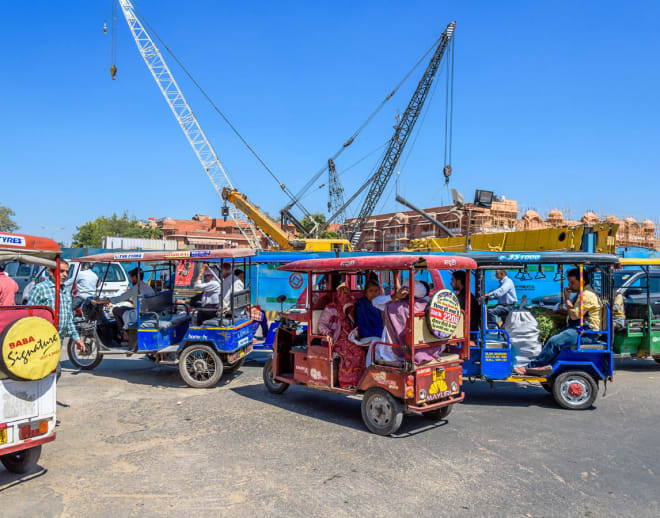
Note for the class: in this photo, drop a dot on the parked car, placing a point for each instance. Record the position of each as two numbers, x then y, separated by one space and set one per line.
24 275
113 274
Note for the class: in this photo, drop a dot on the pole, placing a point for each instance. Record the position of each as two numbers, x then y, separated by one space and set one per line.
467 234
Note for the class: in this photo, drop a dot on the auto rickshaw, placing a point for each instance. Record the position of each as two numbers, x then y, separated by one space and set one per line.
29 358
388 389
639 337
576 372
168 330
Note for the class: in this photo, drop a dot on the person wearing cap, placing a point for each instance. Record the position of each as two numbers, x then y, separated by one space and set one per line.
126 315
211 291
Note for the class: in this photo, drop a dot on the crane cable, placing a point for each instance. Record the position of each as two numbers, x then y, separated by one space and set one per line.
113 39
449 113
215 107
318 174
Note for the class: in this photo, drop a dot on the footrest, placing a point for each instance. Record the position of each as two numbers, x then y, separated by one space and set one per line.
168 349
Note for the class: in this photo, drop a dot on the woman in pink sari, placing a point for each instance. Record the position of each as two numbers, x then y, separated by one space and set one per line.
336 324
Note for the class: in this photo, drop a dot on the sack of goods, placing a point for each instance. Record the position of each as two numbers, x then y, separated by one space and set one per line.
524 336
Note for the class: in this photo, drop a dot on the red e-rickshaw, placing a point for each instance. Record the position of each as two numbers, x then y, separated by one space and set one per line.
389 389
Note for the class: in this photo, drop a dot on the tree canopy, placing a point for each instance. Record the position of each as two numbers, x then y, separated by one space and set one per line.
91 233
308 224
7 223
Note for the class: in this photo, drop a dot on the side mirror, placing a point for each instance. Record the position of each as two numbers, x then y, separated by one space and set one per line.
281 299
634 291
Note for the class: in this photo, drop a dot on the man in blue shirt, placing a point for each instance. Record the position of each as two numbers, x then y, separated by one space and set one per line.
506 299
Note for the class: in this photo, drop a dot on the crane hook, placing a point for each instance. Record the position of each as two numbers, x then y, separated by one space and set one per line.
105 28
447 172
113 72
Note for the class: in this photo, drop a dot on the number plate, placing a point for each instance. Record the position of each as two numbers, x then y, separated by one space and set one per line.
3 436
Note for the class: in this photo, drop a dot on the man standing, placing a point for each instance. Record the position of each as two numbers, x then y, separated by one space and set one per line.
43 294
8 288
506 298
86 282
568 337
211 290
458 285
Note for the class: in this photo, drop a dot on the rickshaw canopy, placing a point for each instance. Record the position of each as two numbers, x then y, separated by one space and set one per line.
28 249
489 260
381 262
164 256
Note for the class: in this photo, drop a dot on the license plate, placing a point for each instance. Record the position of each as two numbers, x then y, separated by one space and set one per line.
3 436
244 341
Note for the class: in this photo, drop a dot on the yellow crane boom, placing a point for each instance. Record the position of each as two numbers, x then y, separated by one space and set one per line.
284 240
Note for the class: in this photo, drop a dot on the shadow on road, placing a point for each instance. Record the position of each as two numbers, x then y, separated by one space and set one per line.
142 372
331 408
9 479
635 365
507 394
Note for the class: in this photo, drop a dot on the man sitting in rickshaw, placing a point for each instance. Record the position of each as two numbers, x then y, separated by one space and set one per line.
211 291
336 324
568 337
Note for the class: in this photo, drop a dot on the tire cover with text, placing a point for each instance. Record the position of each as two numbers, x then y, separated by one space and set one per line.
29 349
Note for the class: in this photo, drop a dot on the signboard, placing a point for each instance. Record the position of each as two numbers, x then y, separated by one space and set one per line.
9 240
29 349
443 314
185 254
129 255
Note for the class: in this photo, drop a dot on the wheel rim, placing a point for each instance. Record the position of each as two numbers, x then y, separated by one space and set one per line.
575 390
380 411
200 365
89 353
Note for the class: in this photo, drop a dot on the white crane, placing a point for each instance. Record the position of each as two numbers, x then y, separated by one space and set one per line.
184 116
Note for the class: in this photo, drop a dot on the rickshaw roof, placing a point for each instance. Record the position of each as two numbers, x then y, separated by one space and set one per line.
28 249
381 262
166 255
509 259
639 261
283 257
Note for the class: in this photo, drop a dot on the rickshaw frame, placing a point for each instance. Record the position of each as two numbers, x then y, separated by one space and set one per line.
407 383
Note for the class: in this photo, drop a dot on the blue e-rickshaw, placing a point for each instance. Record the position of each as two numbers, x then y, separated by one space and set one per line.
166 327
576 371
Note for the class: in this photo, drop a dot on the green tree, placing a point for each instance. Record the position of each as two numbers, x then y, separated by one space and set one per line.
308 224
7 223
91 233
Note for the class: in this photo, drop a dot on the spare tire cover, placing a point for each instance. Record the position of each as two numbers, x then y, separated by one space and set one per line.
29 349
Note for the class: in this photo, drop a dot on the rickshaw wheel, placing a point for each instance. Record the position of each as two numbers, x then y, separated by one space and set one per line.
234 366
89 361
200 366
21 461
439 414
575 390
275 387
382 413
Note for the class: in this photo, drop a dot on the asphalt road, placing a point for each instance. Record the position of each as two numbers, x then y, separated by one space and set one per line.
135 441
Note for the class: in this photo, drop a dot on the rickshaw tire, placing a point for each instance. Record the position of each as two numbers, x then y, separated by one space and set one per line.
234 366
560 382
71 350
185 375
439 414
274 387
21 461
396 418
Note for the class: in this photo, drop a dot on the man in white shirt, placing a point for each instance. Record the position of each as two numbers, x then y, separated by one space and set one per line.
506 299
211 291
86 282
127 315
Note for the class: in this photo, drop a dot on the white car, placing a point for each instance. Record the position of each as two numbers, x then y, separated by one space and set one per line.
111 275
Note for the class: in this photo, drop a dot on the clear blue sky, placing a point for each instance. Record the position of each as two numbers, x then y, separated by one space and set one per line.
556 104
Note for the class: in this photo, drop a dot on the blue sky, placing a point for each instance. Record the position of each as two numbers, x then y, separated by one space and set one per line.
555 104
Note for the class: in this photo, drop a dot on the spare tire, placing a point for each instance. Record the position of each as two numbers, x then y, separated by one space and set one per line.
29 349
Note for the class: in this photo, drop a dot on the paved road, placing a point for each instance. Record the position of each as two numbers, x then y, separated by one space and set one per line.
134 441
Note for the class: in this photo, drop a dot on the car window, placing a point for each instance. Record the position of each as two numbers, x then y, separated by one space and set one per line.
639 282
655 284
621 277
10 268
115 272
24 270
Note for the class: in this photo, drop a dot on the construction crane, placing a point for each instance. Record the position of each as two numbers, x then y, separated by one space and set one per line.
282 238
402 132
184 115
335 191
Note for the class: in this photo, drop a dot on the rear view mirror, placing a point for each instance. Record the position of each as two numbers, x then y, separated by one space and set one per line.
281 299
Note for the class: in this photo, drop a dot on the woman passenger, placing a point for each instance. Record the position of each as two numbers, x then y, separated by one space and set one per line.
336 324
